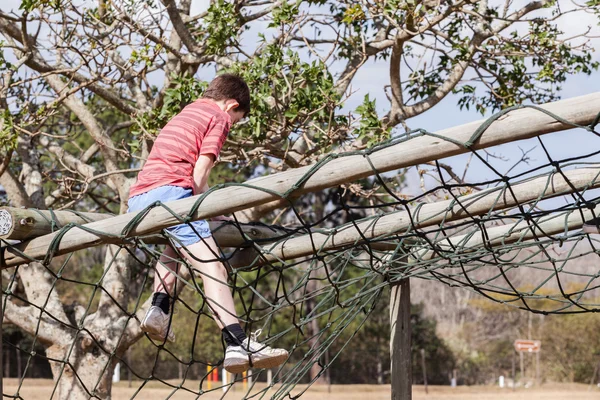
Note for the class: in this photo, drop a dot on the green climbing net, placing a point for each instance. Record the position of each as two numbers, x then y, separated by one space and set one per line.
507 230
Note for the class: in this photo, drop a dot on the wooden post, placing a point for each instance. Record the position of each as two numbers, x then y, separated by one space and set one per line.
21 224
479 203
27 223
400 341
229 236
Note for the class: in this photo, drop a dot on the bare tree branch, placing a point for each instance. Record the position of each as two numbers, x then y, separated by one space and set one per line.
454 77
93 127
36 62
28 317
179 26
15 190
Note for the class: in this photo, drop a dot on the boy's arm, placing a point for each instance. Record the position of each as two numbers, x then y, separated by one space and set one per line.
201 172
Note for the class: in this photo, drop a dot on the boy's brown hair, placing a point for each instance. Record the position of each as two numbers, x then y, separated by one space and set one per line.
229 86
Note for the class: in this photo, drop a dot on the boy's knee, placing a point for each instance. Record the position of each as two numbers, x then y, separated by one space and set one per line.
221 272
216 272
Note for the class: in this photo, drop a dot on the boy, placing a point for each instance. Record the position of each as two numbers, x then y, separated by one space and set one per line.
178 166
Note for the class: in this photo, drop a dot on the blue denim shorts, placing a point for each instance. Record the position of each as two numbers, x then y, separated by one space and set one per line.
186 234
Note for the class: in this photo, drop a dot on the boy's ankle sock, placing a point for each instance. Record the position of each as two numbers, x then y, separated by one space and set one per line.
161 300
234 335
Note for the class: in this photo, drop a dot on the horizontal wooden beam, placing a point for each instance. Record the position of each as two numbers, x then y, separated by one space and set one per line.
499 236
229 234
516 125
403 223
27 223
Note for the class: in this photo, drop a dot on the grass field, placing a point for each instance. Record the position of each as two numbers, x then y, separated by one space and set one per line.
40 389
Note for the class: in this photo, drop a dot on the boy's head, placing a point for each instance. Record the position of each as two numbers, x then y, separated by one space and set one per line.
232 94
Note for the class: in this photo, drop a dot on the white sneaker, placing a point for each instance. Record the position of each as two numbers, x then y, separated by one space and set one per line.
157 325
252 354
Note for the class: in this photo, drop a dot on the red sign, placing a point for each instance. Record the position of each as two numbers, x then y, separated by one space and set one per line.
528 346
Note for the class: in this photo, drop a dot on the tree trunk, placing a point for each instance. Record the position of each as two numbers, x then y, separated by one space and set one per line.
90 367
89 364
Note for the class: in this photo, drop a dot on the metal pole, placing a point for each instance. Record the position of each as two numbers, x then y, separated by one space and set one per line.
18 354
521 361
225 380
537 368
514 373
400 344
327 374
454 380
594 375
129 367
269 377
424 370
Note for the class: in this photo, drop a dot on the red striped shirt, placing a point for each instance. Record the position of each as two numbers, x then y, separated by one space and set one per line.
201 128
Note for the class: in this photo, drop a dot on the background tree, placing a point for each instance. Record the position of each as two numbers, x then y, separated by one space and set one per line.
86 88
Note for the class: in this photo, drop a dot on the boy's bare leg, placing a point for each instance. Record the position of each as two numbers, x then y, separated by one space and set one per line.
214 276
157 321
240 349
164 280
